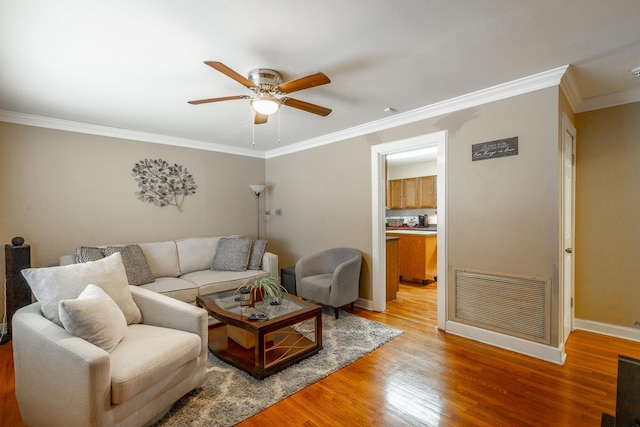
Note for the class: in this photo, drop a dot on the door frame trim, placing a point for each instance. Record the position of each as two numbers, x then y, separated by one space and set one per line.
567 128
378 241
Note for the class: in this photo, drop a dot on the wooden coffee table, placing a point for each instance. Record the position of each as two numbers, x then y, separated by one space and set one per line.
292 332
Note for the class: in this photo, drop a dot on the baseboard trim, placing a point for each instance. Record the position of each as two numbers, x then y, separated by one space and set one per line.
364 303
617 331
555 355
539 351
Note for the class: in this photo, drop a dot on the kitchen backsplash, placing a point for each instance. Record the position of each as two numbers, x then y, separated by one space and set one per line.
410 216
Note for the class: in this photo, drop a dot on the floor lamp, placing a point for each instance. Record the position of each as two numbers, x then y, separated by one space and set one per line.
257 189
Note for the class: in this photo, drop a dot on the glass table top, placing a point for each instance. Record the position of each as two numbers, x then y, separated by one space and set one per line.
230 301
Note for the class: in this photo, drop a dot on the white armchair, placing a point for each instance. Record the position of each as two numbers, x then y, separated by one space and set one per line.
64 380
330 277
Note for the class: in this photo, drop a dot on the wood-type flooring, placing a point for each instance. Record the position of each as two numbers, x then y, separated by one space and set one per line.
427 377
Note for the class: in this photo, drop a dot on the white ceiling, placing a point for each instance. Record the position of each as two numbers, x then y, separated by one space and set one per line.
133 65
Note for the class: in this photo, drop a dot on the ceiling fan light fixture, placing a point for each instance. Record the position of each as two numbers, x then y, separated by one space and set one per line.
267 86
265 104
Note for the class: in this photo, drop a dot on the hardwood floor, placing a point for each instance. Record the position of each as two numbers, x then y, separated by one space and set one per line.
427 377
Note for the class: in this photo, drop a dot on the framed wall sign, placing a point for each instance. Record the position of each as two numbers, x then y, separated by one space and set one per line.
494 149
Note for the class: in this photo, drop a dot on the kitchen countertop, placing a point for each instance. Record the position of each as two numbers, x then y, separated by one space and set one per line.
413 230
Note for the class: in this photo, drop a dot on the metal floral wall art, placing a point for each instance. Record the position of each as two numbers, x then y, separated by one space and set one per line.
163 184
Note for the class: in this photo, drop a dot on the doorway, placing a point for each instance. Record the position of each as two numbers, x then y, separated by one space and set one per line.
378 154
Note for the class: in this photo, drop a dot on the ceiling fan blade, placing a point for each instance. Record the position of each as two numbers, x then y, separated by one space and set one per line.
306 106
224 98
313 80
260 118
230 73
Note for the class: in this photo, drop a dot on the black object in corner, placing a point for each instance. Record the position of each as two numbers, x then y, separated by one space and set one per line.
627 395
17 258
288 279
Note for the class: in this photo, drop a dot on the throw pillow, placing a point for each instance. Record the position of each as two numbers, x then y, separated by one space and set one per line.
232 254
85 253
135 263
257 251
50 285
94 317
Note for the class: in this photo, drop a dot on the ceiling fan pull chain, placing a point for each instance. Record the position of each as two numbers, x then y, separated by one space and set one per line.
253 127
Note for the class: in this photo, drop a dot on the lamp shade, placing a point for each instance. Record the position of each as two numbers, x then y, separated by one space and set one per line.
257 188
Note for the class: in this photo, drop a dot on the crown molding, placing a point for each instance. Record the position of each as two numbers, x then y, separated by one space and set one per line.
502 91
606 101
569 85
91 129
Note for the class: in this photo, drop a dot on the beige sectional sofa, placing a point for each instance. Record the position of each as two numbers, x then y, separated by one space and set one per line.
95 351
182 269
103 347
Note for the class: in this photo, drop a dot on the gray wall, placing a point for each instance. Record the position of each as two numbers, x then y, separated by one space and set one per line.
607 208
323 198
502 213
63 189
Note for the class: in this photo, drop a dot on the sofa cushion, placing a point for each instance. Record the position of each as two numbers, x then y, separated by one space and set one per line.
145 355
208 281
162 258
94 317
232 254
87 253
50 285
316 288
196 253
257 251
135 263
174 287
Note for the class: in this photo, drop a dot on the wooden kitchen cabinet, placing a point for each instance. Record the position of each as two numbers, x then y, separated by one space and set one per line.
417 256
428 192
396 194
393 276
411 193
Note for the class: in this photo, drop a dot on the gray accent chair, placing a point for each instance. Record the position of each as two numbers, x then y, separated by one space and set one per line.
63 380
330 277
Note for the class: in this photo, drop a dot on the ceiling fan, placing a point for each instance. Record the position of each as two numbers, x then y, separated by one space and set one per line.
268 90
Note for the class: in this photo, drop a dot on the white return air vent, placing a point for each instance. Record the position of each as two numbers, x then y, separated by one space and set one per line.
511 305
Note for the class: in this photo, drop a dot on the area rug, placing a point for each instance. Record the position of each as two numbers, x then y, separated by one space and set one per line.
230 395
